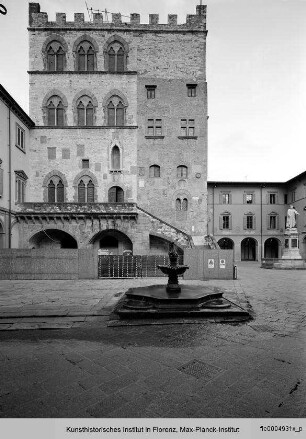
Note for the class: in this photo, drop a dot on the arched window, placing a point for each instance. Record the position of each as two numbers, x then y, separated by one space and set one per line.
55 57
55 112
85 112
116 58
154 171
115 158
181 204
85 57
182 172
115 112
115 195
86 191
56 190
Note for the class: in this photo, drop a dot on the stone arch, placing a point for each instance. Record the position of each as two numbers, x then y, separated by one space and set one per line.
78 177
92 41
54 92
112 241
115 92
84 92
249 248
53 238
54 173
226 243
111 40
48 40
272 248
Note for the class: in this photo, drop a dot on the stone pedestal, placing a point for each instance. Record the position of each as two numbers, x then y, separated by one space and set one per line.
291 250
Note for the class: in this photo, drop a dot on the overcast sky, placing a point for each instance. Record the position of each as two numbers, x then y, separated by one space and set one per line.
256 73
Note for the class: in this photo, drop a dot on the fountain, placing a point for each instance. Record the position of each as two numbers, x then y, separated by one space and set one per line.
174 300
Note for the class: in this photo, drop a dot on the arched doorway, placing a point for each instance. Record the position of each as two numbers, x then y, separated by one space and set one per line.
271 248
53 238
248 249
113 242
226 244
115 195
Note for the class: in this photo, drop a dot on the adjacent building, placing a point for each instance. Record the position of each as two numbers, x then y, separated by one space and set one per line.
250 217
15 127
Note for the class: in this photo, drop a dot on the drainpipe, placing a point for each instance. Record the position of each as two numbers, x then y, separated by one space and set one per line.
10 183
261 253
213 211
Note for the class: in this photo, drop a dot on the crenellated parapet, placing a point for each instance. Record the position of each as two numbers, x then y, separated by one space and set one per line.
38 19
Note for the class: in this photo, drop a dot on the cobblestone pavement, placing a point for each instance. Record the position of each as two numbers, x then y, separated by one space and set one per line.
85 368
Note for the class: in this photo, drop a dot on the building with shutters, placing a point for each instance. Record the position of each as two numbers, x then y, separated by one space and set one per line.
15 127
251 217
119 149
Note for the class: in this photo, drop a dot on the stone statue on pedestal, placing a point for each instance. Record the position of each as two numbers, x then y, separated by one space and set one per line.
291 217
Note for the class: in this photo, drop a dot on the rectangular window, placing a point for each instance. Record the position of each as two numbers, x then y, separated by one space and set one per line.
154 127
225 198
19 190
187 127
249 198
272 198
85 163
272 222
249 222
20 137
150 91
293 195
285 198
191 90
225 221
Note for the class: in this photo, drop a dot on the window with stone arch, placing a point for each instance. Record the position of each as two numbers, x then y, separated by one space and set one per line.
182 171
56 190
154 171
181 204
115 158
86 190
55 111
116 57
85 111
86 57
115 112
55 57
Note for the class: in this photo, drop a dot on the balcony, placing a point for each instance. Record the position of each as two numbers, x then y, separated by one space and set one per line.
74 210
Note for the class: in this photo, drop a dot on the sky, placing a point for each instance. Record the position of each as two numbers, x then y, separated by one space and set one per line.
256 74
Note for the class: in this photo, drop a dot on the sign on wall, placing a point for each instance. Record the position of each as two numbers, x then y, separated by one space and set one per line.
211 263
222 263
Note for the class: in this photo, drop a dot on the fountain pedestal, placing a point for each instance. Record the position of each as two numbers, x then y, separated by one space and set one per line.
174 300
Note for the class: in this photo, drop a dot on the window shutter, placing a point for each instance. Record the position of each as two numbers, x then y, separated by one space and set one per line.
60 192
60 54
81 59
244 221
244 198
120 114
111 60
81 192
90 59
230 198
1 182
120 60
89 114
90 192
220 198
268 222
221 222
51 192
111 114
277 222
254 222
112 195
60 115
51 60
120 195
276 198
230 222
